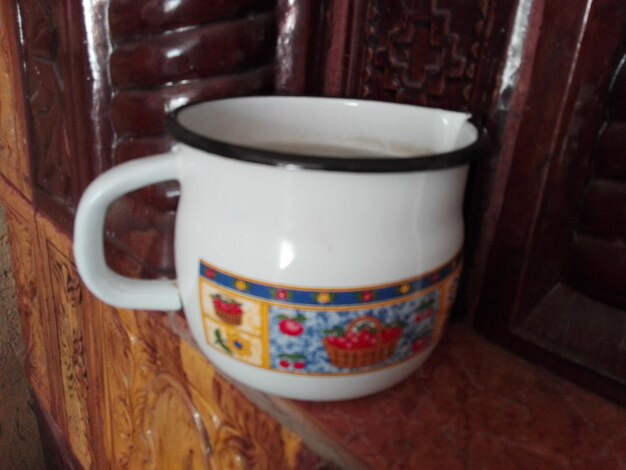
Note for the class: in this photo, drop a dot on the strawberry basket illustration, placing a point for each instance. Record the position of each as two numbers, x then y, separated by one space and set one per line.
227 310
363 343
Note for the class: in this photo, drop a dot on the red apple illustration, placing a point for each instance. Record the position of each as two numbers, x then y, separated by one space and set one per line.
291 326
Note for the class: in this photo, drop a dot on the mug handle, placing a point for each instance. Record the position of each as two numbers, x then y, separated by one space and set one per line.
110 287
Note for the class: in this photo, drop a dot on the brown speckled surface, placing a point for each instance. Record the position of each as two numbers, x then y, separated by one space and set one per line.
473 406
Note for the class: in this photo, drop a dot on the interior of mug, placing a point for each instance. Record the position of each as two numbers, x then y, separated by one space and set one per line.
313 131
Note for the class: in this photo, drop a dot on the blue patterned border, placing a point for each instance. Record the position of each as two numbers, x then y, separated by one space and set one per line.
327 297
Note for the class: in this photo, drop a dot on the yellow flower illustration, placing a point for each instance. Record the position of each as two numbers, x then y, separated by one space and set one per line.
241 285
404 288
323 298
239 346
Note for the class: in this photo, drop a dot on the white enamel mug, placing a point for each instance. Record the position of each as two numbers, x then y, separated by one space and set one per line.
318 240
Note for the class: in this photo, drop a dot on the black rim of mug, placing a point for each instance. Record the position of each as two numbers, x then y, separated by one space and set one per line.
462 156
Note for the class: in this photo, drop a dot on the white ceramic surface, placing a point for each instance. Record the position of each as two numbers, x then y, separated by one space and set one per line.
285 225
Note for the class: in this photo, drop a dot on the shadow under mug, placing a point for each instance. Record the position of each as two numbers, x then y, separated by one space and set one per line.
318 241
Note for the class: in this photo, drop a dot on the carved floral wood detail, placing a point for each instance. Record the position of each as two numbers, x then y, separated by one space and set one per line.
167 401
143 401
119 383
242 436
154 380
66 302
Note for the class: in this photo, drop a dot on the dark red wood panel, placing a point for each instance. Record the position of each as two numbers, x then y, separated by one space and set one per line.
597 267
563 164
140 237
603 209
47 49
535 247
596 263
233 47
165 56
609 154
65 50
421 52
130 19
617 107
298 31
141 112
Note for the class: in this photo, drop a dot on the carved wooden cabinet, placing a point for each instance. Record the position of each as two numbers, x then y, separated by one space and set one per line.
86 85
555 267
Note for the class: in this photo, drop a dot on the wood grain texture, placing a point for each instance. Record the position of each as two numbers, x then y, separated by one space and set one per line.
241 435
26 265
66 303
164 406
141 399
20 439
14 165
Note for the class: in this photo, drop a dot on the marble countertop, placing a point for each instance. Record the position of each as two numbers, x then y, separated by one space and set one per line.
472 405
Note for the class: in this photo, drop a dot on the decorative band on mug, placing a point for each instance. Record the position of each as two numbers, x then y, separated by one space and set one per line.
326 297
325 332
